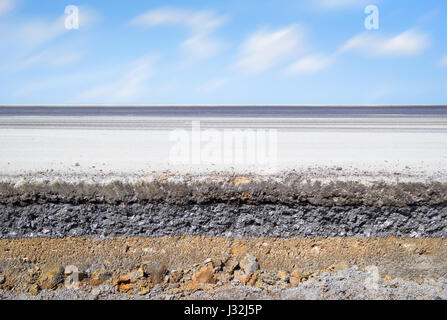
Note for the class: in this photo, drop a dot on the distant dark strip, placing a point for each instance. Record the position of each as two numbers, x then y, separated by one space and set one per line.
232 111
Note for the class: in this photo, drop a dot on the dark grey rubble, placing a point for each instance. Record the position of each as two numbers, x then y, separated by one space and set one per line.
223 220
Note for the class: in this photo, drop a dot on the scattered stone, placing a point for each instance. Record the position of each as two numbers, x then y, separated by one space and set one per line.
307 276
34 289
33 274
284 276
231 265
249 264
154 270
295 277
96 292
241 276
176 275
99 277
253 279
224 277
387 278
2 279
51 276
270 278
144 291
124 283
205 275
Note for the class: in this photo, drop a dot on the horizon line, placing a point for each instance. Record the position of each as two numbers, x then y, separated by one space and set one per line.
217 105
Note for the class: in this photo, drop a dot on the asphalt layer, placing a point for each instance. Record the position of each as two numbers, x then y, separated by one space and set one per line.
291 191
232 207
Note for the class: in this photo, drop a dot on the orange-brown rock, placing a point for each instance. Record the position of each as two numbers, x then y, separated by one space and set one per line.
99 277
205 275
34 289
253 279
175 277
284 276
295 277
51 276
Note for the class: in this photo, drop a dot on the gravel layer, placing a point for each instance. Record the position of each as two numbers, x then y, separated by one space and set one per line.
219 220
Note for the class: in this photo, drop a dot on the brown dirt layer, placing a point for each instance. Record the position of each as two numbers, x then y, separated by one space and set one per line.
186 263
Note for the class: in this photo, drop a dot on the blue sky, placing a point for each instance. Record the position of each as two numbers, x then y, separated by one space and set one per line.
223 52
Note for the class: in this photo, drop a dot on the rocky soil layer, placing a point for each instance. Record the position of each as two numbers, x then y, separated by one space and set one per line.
348 284
220 268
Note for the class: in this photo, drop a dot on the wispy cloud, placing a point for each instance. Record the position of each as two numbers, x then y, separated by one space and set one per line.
443 62
37 32
202 44
129 87
310 64
33 33
266 49
213 85
340 4
408 43
199 21
51 57
6 6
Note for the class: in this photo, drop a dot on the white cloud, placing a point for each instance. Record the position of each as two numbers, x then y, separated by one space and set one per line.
408 43
6 6
201 46
263 50
310 64
199 21
129 87
201 24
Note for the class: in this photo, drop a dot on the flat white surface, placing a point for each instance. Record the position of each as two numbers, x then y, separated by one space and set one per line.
377 146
